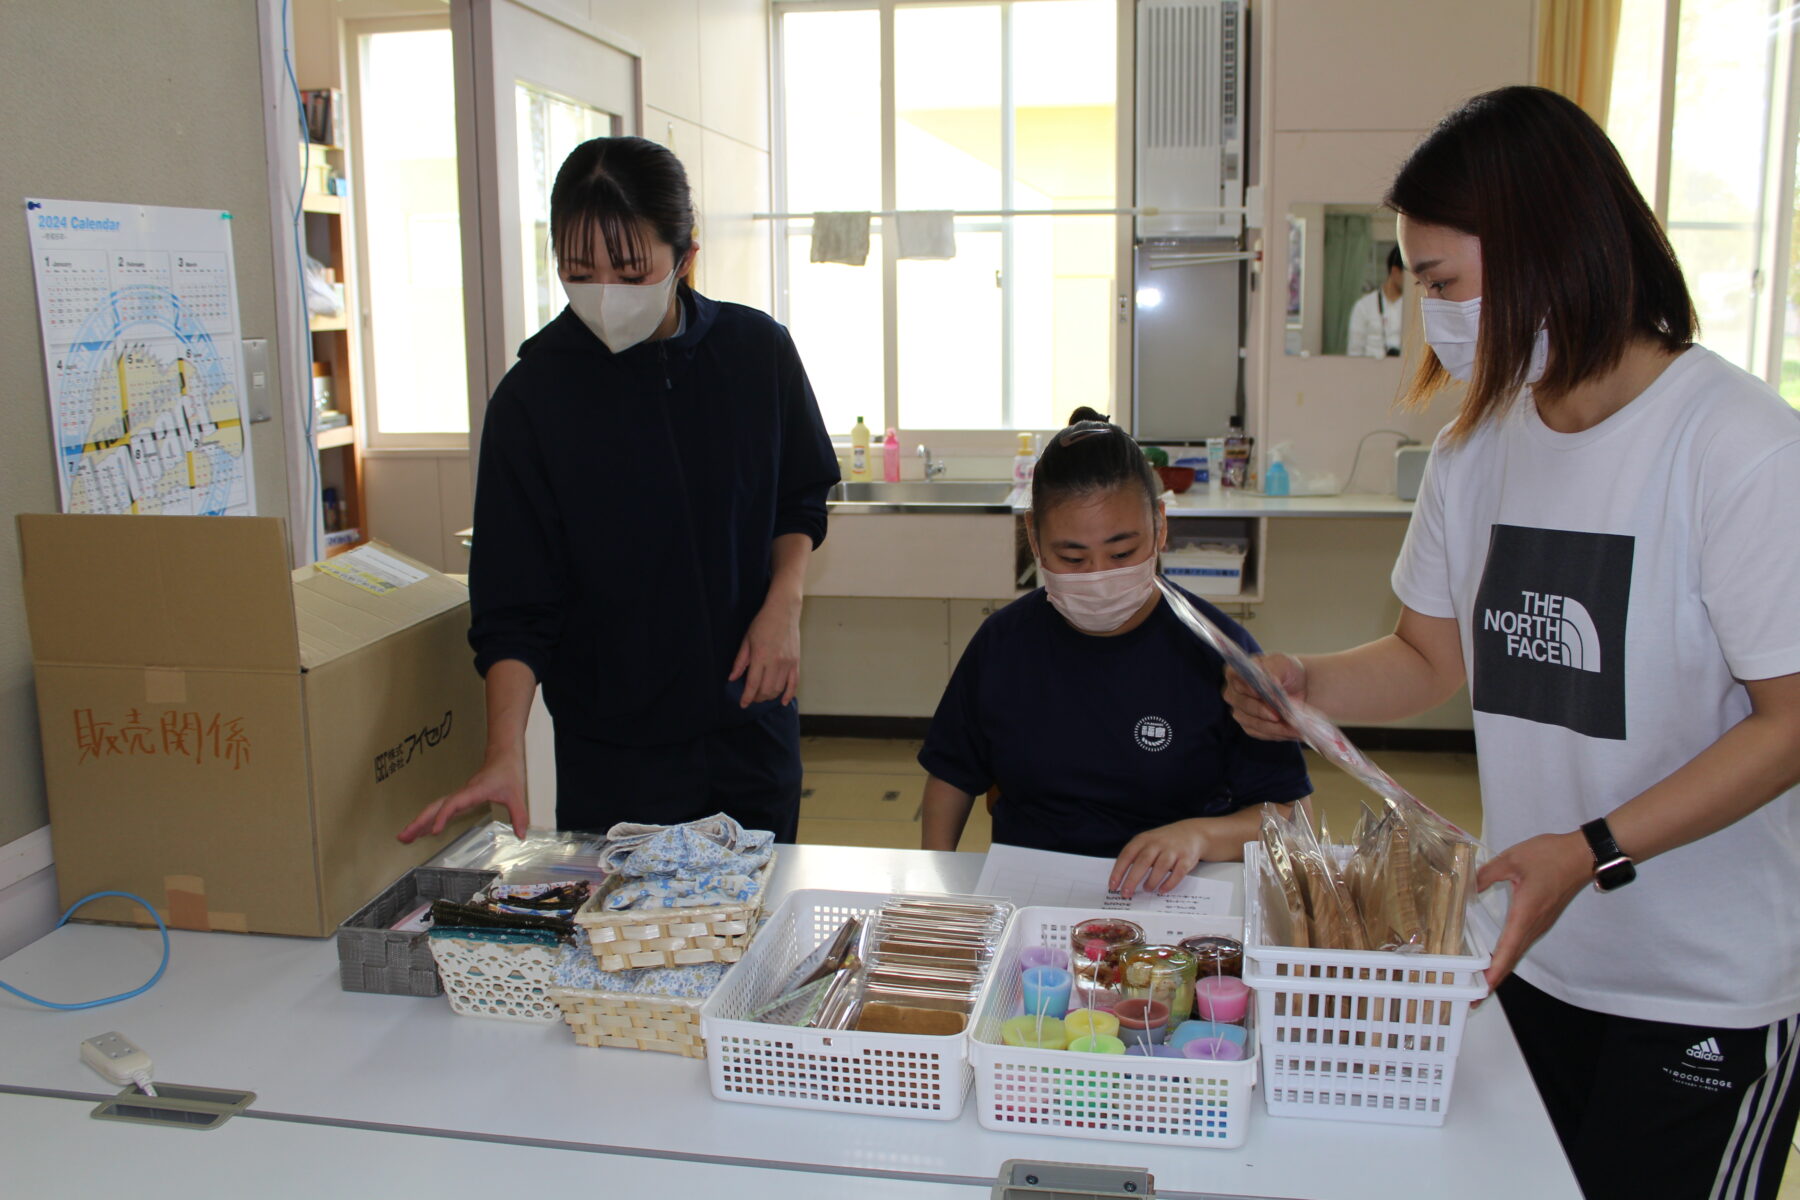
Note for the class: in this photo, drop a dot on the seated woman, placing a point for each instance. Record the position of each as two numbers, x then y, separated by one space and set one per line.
1092 709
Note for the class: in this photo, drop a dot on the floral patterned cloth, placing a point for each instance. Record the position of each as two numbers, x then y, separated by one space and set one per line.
577 968
707 862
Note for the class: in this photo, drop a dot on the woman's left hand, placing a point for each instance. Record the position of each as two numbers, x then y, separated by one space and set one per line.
1157 859
769 660
1546 872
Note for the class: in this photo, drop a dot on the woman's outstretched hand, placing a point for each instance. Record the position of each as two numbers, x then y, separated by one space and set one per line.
1257 718
500 781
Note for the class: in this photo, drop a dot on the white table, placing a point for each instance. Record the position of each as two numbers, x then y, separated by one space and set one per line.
265 1014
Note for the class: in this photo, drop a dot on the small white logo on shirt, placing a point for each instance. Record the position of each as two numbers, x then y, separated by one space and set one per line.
1153 733
1548 628
1707 1051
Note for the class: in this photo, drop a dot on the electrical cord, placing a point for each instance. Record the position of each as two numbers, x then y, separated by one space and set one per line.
1406 439
136 991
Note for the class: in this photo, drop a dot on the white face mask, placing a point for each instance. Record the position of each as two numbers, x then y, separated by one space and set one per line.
1453 327
622 314
1100 601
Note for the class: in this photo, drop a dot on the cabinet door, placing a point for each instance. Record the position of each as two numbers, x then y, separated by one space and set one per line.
873 657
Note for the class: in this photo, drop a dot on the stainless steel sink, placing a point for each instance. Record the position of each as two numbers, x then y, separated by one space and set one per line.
965 496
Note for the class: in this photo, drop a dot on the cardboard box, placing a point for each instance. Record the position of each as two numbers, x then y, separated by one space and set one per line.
235 742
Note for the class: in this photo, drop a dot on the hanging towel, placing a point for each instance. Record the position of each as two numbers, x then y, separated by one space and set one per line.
840 237
925 234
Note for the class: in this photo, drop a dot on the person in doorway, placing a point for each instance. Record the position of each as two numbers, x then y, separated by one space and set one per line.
1604 549
1375 319
652 480
1089 705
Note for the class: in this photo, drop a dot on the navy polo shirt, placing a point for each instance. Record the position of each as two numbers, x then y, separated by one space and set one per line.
1093 740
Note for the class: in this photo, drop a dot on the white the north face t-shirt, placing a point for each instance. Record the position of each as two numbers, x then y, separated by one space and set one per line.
1611 586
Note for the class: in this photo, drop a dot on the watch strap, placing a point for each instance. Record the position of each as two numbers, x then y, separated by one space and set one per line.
1613 868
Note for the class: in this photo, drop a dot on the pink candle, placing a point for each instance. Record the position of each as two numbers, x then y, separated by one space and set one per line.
1221 998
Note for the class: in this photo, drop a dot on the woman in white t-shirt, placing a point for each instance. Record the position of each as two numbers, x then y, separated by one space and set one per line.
1606 547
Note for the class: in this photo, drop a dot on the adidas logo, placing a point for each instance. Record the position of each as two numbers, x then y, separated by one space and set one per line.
1707 1051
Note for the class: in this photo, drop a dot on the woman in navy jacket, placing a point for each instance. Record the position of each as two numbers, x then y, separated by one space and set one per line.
652 480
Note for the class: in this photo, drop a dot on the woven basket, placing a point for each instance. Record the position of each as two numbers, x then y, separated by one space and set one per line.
669 1024
670 937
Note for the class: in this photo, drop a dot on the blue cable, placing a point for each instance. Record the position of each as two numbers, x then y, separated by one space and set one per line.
136 991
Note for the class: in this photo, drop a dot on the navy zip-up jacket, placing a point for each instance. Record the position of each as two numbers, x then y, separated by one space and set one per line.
626 506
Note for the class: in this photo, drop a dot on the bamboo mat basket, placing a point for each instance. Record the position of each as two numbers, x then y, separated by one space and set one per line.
670 937
632 1021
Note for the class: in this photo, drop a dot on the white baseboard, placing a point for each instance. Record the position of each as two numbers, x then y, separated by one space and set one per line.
24 856
28 910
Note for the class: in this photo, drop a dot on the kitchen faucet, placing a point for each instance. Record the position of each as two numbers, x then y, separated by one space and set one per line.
932 468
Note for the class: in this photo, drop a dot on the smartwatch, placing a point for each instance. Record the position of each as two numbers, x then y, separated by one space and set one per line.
1612 867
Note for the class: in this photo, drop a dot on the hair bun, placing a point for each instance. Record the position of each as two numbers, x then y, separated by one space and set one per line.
1084 413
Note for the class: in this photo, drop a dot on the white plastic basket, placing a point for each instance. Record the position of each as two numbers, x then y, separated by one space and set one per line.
1166 1101
835 1070
1358 1035
508 981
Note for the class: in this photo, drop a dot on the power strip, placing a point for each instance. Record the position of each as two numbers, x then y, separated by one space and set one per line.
118 1059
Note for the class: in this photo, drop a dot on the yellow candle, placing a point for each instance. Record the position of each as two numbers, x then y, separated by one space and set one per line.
1086 1022
1033 1033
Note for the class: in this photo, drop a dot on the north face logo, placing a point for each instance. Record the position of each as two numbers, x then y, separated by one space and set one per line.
1548 629
1548 626
1707 1051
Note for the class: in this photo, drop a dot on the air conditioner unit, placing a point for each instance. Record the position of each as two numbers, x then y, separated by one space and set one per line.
1190 117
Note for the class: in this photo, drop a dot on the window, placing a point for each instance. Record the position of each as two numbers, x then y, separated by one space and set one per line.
549 128
411 241
1004 114
1712 142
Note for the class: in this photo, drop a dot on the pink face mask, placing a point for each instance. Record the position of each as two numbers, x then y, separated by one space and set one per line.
1100 601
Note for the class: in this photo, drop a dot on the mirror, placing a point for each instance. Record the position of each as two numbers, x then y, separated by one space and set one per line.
1342 297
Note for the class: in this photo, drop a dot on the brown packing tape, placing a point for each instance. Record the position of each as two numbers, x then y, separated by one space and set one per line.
186 897
165 685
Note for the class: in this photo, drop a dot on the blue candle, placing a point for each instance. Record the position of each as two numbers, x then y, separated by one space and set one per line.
1047 991
1188 1031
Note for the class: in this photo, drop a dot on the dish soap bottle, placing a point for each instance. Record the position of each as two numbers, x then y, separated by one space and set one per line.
1275 482
890 456
859 450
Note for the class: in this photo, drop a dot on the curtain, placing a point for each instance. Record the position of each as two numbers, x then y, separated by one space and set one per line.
1346 258
1576 40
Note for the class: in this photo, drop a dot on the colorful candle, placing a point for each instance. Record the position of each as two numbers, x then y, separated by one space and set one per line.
1085 1021
1213 1049
1188 1031
1222 998
1047 991
1142 1021
1098 1043
1034 1033
1041 956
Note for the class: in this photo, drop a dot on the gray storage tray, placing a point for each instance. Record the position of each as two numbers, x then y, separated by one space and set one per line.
374 958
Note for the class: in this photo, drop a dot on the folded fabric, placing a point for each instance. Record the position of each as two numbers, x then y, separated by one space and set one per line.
925 234
576 968
840 237
699 891
711 861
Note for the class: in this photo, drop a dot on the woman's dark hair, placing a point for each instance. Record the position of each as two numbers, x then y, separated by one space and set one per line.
620 185
1567 245
1091 455
1395 262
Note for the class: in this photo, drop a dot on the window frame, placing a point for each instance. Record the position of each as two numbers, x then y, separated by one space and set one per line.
374 442
981 442
1772 226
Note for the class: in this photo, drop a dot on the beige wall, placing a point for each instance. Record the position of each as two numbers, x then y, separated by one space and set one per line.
706 96
1349 89
125 101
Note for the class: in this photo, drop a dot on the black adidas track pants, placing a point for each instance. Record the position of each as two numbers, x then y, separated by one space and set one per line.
1651 1109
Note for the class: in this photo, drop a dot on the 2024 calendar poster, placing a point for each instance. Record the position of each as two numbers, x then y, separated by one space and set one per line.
139 310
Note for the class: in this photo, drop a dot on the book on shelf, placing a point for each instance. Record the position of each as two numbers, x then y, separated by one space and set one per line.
324 112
